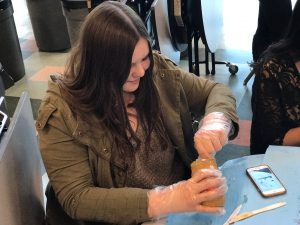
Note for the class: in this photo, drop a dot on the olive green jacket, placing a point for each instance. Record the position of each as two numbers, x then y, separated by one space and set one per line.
77 156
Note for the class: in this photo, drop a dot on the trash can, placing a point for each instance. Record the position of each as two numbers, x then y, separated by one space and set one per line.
10 51
49 25
75 13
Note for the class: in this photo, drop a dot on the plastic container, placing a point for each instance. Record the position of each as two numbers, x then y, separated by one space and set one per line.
208 164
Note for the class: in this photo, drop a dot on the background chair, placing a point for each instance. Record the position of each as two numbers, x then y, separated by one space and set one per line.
204 19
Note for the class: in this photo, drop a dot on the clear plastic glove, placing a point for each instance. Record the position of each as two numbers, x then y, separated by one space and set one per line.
187 196
212 134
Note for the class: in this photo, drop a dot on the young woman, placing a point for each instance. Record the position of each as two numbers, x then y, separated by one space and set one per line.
276 92
273 18
115 130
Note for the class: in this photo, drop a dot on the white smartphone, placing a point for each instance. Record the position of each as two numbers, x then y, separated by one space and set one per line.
265 181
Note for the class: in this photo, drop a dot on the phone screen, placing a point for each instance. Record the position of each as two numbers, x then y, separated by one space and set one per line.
266 180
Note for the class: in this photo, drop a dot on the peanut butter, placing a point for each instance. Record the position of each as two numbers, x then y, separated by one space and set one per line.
207 164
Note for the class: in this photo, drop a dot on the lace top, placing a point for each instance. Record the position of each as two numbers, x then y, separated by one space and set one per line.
275 103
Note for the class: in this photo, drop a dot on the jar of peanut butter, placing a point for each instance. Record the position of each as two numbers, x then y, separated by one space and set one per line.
208 164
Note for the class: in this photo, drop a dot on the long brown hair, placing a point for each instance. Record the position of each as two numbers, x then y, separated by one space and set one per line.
99 66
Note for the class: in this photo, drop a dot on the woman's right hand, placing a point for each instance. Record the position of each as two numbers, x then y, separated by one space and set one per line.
187 196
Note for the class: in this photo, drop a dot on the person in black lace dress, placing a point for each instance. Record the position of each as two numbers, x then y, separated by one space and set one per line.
276 92
273 17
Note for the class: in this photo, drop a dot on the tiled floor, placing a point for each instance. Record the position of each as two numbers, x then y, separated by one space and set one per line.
239 26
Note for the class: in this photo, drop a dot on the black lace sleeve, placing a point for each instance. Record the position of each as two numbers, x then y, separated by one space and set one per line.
268 126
